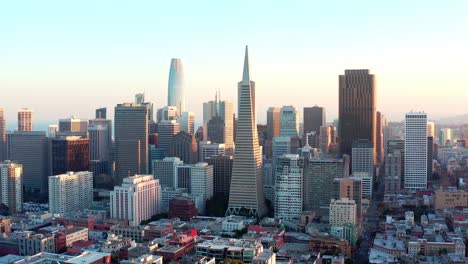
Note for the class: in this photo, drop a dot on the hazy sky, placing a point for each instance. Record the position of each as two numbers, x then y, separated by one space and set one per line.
64 58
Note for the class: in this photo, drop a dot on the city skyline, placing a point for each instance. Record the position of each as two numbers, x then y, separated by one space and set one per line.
419 55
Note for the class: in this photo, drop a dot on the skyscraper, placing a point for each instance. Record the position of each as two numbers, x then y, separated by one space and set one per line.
187 122
246 194
363 157
25 119
11 185
222 173
52 130
2 135
100 146
289 121
356 108
324 139
137 199
70 192
175 94
29 148
166 132
131 140
379 137
101 113
222 112
273 122
70 154
431 129
165 171
415 151
184 146
314 118
393 173
289 189
73 126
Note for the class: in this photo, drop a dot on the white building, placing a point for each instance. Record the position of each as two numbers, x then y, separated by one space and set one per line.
167 113
289 187
137 199
233 223
362 157
342 212
11 185
208 149
415 177
69 192
289 121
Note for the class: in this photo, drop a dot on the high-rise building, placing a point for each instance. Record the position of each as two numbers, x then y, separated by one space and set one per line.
25 119
415 151
314 118
397 145
319 174
464 132
222 173
131 140
101 113
165 171
2 135
342 211
288 187
209 149
185 146
357 108
166 132
52 130
137 199
73 127
273 122
350 188
393 173
324 139
167 113
11 185
379 137
187 122
281 145
175 94
362 157
289 121
246 194
139 98
70 154
70 192
445 136
29 148
100 145
430 155
431 129
222 114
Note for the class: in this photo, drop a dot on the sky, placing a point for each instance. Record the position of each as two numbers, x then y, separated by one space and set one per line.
64 58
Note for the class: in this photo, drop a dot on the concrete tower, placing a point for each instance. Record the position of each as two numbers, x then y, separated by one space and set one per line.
246 195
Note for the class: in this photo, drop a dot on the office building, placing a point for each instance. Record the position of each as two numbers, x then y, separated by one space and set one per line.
131 140
314 118
166 132
393 173
319 174
2 135
209 149
52 130
73 127
175 87
101 113
11 185
187 122
367 183
415 151
289 121
379 137
70 192
29 148
167 113
222 173
183 208
324 139
222 113
357 108
70 154
397 145
100 144
430 155
25 119
362 157
165 171
184 146
136 199
431 129
273 122
342 211
350 188
246 193
198 180
288 187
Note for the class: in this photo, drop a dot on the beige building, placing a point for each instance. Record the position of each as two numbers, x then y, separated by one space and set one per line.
342 211
11 185
70 192
25 119
450 198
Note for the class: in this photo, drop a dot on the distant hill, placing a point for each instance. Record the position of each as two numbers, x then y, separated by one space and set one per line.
454 120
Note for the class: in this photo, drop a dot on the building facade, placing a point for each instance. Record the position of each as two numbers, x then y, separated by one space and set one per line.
25 119
11 185
288 187
70 192
175 87
415 151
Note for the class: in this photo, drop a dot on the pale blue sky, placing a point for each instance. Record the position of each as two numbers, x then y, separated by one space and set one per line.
69 57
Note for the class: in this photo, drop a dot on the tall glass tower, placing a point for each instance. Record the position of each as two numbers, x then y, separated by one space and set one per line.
175 88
